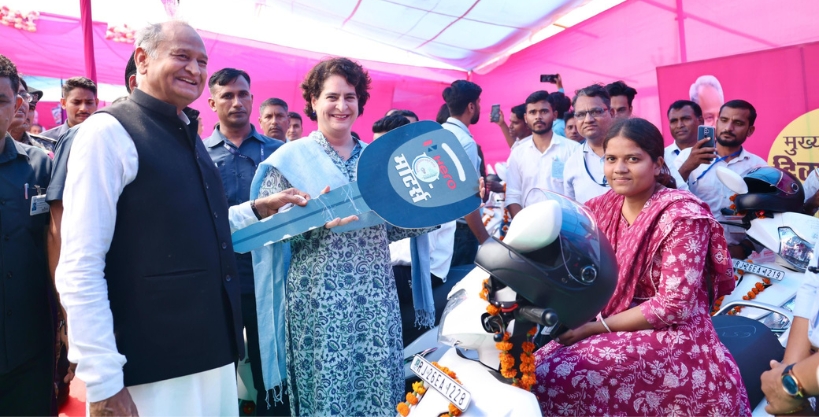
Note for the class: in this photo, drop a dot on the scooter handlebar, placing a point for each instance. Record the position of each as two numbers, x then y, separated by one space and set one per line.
537 315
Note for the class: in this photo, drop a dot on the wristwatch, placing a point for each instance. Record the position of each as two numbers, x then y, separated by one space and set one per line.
791 385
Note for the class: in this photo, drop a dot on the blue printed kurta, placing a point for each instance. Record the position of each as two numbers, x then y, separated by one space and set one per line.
343 326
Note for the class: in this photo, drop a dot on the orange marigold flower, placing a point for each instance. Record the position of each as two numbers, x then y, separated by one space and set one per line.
750 261
767 281
732 207
509 373
532 331
745 297
528 347
733 197
402 409
504 346
759 286
740 272
492 310
755 290
412 399
454 411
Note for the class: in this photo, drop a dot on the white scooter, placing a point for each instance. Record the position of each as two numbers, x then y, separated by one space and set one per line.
471 332
773 276
767 282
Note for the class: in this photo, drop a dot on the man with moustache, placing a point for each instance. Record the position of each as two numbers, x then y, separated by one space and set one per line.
20 125
237 149
583 178
27 342
147 273
540 162
517 130
734 125
571 128
274 119
684 118
79 101
622 97
295 130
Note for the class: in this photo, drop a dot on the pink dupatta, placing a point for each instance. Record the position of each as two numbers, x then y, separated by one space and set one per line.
663 211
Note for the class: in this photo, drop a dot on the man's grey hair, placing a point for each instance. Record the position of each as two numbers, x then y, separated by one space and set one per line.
149 37
703 80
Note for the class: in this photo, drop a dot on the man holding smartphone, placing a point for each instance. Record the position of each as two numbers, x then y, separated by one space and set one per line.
684 116
734 125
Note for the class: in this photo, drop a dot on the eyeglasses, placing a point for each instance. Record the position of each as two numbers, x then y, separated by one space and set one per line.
596 113
25 96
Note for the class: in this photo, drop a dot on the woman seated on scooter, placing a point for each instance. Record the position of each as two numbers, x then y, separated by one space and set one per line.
788 384
653 350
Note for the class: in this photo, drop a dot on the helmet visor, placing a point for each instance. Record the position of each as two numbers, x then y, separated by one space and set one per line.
579 236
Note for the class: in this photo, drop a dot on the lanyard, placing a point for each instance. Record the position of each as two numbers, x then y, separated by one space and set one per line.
605 182
720 159
235 152
459 127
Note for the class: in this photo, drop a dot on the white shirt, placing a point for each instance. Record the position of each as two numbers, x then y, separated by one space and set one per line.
442 241
710 190
670 156
400 253
807 302
518 142
583 175
103 161
529 169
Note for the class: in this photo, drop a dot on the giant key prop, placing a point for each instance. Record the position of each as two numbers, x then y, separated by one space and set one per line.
413 177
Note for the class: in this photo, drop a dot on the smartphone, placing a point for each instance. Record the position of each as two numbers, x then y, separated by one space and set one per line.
707 132
548 78
494 116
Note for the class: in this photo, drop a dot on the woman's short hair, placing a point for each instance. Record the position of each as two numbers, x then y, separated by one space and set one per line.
648 138
350 70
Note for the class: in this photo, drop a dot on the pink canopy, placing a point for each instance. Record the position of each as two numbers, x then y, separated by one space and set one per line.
627 42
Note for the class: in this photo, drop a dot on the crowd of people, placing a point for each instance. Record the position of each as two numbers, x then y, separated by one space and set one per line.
118 263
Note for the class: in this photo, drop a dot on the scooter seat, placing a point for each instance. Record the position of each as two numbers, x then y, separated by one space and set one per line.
753 345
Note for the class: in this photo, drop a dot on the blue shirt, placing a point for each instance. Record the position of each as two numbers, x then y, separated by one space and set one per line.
237 167
25 309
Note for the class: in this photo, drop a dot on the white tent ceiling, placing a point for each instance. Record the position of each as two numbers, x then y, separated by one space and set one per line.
451 34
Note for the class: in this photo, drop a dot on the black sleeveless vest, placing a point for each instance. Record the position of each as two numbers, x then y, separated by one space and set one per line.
170 269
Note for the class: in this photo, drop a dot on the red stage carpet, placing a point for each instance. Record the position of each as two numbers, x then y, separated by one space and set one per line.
75 406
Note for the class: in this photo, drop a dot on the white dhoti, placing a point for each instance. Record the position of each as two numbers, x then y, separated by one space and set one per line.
208 393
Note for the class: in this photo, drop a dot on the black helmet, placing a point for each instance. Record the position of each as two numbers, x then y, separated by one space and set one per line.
573 277
771 189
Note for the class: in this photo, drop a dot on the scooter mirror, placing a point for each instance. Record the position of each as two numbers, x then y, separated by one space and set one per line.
732 180
500 169
535 226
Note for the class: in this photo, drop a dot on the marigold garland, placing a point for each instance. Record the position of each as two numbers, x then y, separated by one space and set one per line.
755 290
419 389
507 361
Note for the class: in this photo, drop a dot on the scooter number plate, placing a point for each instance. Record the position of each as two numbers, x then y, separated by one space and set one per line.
759 270
441 382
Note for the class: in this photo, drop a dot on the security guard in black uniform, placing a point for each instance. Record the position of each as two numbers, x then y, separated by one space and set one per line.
27 337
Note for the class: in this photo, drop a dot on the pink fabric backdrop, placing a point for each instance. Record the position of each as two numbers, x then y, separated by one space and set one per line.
55 50
629 41
779 87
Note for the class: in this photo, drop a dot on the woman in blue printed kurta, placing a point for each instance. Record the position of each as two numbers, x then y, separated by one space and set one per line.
343 326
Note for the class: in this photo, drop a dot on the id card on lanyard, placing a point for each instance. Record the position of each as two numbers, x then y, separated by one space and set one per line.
38 201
